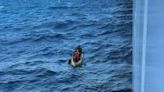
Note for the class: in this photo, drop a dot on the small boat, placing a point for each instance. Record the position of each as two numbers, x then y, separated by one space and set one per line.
76 64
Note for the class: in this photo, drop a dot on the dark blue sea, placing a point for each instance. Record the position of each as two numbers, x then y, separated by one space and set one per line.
37 38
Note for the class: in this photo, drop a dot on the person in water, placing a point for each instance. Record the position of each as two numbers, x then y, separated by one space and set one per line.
77 54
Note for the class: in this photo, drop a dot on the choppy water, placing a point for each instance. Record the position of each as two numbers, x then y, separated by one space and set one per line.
37 37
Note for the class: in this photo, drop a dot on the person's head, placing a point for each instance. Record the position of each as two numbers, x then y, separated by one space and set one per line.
77 52
78 48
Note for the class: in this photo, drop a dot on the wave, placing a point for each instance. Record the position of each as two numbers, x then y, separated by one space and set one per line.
23 74
123 90
62 7
41 37
2 7
57 24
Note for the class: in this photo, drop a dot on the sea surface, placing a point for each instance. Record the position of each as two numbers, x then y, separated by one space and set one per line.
37 38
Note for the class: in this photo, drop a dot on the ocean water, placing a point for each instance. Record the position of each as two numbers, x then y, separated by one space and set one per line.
37 37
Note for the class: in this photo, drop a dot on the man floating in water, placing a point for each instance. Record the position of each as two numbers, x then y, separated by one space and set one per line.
77 57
